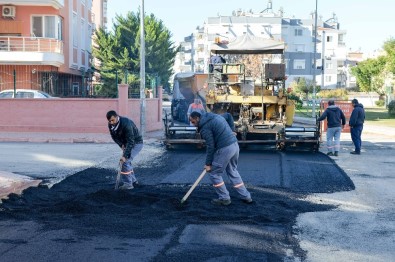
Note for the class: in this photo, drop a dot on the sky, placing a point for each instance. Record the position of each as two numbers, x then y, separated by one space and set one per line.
368 23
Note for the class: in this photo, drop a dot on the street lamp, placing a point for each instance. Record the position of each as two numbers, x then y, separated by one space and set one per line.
314 61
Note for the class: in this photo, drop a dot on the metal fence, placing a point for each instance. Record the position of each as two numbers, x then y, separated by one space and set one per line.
48 79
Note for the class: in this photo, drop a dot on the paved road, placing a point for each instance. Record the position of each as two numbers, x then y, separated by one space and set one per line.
300 212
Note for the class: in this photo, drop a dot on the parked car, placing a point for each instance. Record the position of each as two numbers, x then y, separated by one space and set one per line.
24 93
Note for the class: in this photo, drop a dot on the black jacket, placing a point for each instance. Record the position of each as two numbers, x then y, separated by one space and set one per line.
217 133
334 116
357 116
125 134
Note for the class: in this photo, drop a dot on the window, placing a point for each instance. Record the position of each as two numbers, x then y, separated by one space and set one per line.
328 65
329 38
23 94
328 78
298 32
83 35
299 64
75 30
47 26
6 94
299 48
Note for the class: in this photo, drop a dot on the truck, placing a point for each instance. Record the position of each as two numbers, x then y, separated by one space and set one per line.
246 78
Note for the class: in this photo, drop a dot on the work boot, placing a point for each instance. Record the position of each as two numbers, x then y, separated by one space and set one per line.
247 200
221 202
126 186
355 153
329 154
136 183
336 153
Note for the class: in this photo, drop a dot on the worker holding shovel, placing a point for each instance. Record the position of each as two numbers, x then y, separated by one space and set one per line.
222 155
125 133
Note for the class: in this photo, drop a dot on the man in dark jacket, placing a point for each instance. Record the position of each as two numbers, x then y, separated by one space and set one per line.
356 124
336 122
222 155
125 133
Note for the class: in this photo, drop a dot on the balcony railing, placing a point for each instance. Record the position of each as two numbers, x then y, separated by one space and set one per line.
30 44
55 3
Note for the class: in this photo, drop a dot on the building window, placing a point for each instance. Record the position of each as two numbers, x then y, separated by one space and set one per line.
328 78
75 30
298 32
299 64
83 34
329 38
299 48
47 26
328 65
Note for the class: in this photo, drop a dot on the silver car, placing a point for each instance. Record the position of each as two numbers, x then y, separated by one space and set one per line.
24 93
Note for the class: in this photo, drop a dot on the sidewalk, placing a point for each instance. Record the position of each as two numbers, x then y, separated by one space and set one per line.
370 132
36 137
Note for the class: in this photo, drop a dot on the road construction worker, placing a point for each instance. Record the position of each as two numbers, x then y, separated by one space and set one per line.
357 119
125 133
222 155
196 106
336 122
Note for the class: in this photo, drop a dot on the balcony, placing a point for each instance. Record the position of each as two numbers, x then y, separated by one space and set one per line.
54 3
31 50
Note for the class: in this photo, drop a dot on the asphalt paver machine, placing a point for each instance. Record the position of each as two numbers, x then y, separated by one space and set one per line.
246 77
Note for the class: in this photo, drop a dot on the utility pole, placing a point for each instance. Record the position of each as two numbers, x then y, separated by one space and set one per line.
314 60
142 70
323 60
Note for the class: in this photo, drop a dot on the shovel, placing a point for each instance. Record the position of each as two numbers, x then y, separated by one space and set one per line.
193 186
118 176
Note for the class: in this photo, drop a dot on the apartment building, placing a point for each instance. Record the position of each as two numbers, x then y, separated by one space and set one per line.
46 45
298 34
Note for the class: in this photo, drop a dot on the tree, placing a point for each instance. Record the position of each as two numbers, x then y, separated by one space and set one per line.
305 86
389 48
366 71
371 74
119 51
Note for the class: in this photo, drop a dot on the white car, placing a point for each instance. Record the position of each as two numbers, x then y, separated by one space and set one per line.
24 93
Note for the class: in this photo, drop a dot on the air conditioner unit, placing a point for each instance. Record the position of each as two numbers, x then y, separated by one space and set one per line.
8 11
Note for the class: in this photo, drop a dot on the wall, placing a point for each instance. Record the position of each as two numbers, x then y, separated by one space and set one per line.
75 115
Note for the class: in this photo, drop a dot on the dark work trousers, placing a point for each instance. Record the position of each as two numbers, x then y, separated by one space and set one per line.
128 176
356 132
225 161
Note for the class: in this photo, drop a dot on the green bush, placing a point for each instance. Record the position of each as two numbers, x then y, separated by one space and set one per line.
391 108
334 93
380 103
296 99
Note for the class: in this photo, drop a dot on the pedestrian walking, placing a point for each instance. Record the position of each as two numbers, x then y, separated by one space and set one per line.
125 133
221 157
336 122
356 124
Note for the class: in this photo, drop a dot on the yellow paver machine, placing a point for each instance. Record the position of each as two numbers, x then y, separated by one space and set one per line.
246 77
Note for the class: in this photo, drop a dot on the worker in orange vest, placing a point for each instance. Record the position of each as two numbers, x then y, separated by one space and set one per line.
196 106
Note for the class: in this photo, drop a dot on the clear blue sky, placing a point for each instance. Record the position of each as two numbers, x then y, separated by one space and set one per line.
369 23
